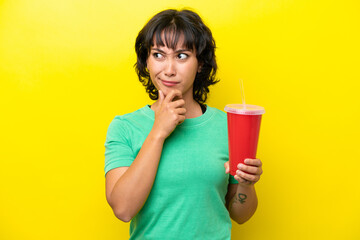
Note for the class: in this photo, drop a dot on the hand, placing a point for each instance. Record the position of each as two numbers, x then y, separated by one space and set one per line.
247 174
169 112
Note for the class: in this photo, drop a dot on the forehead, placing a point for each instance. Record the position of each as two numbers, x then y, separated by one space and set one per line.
172 40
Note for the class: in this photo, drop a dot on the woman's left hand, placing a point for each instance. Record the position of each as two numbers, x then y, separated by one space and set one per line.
248 173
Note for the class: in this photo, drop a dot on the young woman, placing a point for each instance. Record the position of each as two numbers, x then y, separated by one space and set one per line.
166 165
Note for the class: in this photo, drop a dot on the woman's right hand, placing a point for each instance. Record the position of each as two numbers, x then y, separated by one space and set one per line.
169 112
121 182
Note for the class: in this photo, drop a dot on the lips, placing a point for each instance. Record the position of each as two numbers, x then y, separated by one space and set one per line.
169 83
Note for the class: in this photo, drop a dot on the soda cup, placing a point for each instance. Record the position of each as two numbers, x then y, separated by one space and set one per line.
243 132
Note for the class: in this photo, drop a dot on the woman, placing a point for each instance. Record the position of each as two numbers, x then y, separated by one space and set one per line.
164 163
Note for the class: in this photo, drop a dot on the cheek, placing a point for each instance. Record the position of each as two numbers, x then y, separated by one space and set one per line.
191 71
153 75
153 68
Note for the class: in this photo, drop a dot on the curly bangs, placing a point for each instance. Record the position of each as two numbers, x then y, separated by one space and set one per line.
172 24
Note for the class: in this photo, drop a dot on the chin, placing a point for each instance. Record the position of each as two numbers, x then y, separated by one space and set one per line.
166 91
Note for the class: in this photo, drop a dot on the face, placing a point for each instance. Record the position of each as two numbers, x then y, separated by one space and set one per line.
173 69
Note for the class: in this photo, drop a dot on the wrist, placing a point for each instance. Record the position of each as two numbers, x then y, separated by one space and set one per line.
157 135
245 187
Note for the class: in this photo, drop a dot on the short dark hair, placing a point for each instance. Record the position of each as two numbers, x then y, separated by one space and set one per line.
196 36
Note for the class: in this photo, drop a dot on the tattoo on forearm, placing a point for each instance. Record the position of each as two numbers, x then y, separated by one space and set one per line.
242 197
239 198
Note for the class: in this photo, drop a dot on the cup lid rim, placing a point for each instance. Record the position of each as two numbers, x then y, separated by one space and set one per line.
248 110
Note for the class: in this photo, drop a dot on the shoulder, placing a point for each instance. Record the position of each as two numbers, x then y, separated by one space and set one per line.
133 115
123 122
218 118
217 113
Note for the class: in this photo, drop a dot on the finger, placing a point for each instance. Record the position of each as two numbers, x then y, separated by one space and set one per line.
242 180
178 103
227 168
253 162
181 119
174 93
249 169
161 96
180 111
246 176
178 95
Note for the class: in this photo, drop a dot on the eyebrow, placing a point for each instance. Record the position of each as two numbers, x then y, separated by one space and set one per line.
177 51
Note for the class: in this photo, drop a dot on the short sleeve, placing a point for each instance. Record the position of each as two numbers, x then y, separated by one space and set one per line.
118 151
232 180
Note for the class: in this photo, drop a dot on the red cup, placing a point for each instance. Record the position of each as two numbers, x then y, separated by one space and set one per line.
243 132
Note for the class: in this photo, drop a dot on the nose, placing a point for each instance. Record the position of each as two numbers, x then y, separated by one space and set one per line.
170 68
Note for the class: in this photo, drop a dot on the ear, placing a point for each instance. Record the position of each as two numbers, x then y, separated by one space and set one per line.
147 62
199 68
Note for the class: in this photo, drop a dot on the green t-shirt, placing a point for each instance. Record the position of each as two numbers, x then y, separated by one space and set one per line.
187 200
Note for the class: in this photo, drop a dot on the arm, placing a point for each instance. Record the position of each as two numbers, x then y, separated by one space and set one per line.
243 202
241 199
127 188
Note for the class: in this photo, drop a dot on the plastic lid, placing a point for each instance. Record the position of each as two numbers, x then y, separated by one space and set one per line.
244 109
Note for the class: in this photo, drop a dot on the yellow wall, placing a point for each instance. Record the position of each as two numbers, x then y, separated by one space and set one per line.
66 71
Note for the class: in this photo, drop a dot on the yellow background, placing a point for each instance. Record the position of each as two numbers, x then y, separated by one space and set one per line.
66 69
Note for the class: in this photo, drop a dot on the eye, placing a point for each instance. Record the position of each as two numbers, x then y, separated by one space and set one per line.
183 56
157 55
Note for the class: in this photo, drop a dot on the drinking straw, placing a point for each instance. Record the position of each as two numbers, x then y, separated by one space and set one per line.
242 93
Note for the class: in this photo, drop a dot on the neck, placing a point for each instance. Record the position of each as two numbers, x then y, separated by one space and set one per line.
193 109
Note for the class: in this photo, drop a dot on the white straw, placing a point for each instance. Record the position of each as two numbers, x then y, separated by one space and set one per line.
242 93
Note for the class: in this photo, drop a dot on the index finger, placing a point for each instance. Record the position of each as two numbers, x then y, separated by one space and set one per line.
253 162
171 96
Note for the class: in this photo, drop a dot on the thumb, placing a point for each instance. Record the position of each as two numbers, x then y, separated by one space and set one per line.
161 96
227 168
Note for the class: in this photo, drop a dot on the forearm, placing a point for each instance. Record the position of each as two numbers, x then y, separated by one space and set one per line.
244 203
132 189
